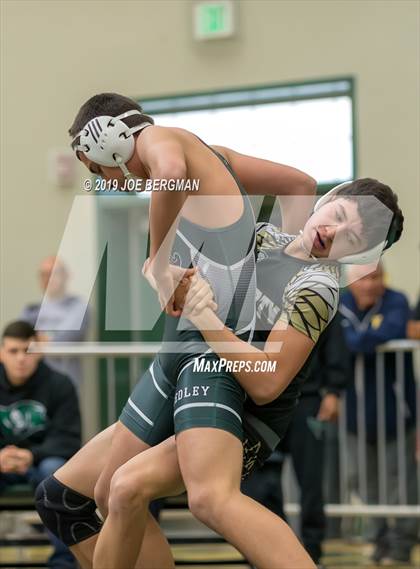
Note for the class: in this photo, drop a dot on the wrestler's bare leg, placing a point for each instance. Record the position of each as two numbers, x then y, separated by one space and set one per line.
81 473
152 474
214 497
124 446
154 552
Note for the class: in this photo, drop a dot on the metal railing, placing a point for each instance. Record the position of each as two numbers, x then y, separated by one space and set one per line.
137 352
405 505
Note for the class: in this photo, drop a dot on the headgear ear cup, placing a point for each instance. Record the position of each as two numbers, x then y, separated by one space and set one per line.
330 194
108 141
369 255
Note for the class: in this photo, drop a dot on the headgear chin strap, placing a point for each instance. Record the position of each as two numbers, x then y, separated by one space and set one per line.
371 255
108 141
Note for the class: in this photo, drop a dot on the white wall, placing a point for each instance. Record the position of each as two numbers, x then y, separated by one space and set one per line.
57 54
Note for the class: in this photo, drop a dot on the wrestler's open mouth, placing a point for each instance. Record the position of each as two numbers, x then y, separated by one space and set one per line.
319 241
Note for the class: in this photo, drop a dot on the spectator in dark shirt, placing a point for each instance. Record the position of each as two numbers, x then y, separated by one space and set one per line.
372 315
39 420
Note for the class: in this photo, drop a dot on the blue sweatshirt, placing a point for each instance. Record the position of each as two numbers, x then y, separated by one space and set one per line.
364 330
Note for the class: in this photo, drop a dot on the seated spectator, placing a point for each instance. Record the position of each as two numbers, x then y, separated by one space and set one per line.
304 441
374 314
62 317
39 420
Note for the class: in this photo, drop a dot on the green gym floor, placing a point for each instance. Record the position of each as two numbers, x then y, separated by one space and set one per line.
338 554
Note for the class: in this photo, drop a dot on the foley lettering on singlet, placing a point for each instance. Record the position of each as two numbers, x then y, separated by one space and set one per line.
196 391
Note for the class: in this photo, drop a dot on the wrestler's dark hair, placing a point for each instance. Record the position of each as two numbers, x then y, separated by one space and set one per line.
19 329
110 104
371 221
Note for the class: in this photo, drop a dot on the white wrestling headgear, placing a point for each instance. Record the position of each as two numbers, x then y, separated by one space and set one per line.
109 141
371 255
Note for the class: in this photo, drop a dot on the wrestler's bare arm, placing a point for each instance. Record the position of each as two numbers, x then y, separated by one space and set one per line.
290 185
287 348
163 157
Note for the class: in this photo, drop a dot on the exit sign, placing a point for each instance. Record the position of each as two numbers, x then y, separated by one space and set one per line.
213 19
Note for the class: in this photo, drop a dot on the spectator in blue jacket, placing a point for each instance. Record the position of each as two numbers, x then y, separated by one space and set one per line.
372 315
413 326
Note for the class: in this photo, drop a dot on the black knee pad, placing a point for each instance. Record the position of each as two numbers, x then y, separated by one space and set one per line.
67 514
